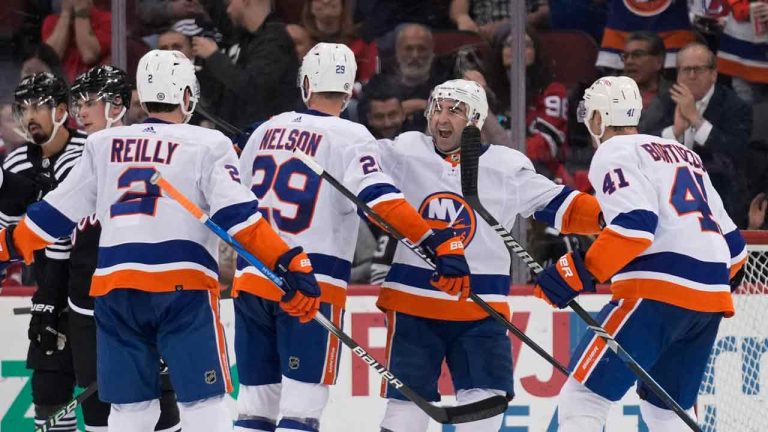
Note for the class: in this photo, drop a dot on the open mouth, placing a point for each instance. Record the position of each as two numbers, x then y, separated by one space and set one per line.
444 133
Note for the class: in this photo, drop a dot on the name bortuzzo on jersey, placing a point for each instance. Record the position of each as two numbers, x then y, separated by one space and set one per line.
27 160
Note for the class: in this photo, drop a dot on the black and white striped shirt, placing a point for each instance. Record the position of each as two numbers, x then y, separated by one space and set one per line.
28 161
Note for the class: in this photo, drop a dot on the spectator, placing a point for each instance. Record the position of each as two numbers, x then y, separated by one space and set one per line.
415 75
42 59
261 80
330 21
80 35
743 54
488 17
9 138
643 59
382 108
380 17
708 118
666 18
301 40
172 40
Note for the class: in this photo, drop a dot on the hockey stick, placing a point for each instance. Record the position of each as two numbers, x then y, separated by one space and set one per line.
66 409
22 310
470 155
479 410
218 121
314 166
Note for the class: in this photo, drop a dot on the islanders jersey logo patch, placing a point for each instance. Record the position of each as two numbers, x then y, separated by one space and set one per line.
445 208
646 8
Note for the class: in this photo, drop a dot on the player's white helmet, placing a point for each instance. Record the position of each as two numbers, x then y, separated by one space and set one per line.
328 67
616 98
461 90
164 76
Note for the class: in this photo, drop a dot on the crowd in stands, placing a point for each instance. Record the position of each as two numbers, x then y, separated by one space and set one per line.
702 68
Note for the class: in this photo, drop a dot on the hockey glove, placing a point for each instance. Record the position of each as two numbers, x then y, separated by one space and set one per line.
737 279
302 293
561 282
43 329
7 248
451 268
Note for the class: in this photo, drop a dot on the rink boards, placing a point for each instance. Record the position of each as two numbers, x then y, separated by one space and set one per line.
354 403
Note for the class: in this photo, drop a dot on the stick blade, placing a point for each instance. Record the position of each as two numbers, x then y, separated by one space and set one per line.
470 155
475 411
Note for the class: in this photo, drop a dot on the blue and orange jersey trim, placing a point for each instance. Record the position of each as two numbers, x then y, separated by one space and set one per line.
742 58
571 211
407 289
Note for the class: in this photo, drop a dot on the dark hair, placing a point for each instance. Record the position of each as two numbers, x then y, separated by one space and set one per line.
655 43
539 74
381 88
160 107
47 55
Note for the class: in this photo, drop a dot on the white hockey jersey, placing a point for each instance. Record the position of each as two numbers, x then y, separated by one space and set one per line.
508 185
658 201
148 241
302 208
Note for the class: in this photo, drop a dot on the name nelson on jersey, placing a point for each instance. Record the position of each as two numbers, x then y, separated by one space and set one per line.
278 139
142 150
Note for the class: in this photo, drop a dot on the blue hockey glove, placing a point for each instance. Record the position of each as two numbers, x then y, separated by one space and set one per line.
451 268
561 282
302 293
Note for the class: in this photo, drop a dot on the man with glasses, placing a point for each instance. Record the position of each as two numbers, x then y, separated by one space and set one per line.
643 59
706 117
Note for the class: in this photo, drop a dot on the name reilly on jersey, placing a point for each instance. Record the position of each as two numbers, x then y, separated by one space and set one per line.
142 150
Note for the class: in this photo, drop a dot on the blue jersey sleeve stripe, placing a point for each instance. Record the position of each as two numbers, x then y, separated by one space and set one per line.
637 220
50 220
374 191
234 214
419 277
167 252
736 244
683 266
548 214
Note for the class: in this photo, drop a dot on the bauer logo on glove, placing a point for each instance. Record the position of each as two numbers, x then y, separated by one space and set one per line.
561 282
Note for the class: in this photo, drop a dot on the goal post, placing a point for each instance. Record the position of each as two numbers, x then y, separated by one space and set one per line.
734 392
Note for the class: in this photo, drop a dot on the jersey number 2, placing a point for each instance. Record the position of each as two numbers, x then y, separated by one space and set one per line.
283 180
690 196
134 202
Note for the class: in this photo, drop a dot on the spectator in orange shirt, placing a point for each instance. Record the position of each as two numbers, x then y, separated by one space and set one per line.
330 21
80 35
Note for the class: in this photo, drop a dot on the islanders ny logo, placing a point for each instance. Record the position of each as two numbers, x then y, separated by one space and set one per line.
442 209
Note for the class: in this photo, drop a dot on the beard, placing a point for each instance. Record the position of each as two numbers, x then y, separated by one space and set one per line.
39 137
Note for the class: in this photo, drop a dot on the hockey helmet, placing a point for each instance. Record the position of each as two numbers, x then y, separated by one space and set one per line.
106 83
616 98
164 77
461 90
328 67
40 89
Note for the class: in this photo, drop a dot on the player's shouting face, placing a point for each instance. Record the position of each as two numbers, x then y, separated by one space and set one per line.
447 121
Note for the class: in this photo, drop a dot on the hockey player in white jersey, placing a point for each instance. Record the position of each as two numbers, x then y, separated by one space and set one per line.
155 283
426 327
670 251
285 367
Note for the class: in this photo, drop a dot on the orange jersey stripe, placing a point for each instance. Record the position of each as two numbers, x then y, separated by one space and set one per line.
582 216
264 288
161 281
26 241
404 218
427 307
263 242
674 294
672 40
332 349
213 300
736 267
596 349
744 71
611 252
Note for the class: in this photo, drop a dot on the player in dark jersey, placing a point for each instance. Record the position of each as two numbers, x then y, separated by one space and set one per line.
99 99
51 150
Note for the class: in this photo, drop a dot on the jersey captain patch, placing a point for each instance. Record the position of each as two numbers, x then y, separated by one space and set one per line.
442 209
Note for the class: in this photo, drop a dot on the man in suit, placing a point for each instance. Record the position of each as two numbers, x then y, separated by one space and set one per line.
708 118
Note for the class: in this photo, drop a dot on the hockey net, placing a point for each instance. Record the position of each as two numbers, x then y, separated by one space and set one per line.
734 393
